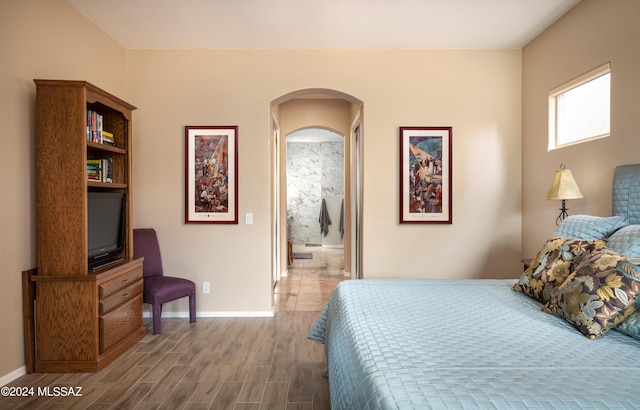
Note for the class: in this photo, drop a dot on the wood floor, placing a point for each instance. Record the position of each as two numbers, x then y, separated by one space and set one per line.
217 363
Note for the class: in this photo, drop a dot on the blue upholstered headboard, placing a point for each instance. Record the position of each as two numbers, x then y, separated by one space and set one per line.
626 192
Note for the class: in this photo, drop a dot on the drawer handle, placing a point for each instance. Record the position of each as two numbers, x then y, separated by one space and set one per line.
124 322
125 280
126 295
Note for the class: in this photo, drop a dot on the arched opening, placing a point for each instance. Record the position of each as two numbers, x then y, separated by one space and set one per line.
315 189
318 109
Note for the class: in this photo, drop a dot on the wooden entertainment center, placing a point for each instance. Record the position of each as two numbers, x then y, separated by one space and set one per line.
79 319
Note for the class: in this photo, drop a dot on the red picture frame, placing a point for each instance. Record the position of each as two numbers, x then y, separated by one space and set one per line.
211 174
426 175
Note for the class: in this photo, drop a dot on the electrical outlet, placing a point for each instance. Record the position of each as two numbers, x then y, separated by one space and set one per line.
206 287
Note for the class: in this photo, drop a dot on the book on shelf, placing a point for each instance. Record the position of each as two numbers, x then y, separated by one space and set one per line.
107 138
94 170
100 170
95 127
107 170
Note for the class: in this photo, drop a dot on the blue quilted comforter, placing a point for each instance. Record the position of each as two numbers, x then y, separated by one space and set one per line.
460 344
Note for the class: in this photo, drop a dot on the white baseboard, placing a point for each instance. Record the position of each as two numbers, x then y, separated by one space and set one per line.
234 314
214 314
8 378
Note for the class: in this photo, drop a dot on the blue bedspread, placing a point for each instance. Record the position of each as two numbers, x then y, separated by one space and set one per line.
464 344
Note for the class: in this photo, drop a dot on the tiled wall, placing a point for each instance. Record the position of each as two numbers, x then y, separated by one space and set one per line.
315 170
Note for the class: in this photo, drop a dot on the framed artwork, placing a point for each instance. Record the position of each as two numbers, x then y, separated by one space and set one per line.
425 175
211 175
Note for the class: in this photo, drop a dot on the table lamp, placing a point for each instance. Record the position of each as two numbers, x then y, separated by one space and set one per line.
563 187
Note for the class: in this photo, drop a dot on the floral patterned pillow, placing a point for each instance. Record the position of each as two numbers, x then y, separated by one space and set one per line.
631 325
553 264
600 294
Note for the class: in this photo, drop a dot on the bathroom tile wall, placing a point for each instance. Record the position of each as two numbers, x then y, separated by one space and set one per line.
315 170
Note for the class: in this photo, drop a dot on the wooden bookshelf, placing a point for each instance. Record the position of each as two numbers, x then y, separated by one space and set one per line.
81 319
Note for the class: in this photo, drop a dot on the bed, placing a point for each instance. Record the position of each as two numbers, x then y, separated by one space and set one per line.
532 342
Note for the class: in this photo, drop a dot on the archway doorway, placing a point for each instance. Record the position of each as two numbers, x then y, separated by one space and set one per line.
315 187
327 109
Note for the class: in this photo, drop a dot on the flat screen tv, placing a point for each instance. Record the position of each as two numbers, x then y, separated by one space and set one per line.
106 227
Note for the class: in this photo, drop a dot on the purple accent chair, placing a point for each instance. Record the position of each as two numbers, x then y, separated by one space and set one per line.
159 289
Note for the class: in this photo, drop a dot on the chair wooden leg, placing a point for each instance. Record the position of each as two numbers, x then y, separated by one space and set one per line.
192 308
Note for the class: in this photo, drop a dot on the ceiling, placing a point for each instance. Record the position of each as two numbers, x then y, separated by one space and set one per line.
325 24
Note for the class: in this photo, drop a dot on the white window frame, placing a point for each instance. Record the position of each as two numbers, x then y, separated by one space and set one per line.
553 106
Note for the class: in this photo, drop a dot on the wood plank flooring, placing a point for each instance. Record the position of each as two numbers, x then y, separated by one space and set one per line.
217 363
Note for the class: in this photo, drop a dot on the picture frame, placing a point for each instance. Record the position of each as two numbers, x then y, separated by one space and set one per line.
211 174
426 175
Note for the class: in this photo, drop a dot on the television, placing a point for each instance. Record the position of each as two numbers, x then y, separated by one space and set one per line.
106 227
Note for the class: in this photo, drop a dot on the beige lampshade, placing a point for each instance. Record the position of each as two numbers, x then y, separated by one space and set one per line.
564 186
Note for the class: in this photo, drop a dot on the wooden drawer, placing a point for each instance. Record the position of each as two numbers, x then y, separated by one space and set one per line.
121 282
122 296
118 324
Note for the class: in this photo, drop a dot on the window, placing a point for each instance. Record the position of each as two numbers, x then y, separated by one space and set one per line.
580 109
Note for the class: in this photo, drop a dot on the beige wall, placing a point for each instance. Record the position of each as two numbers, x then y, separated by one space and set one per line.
476 92
592 33
301 113
174 88
40 39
